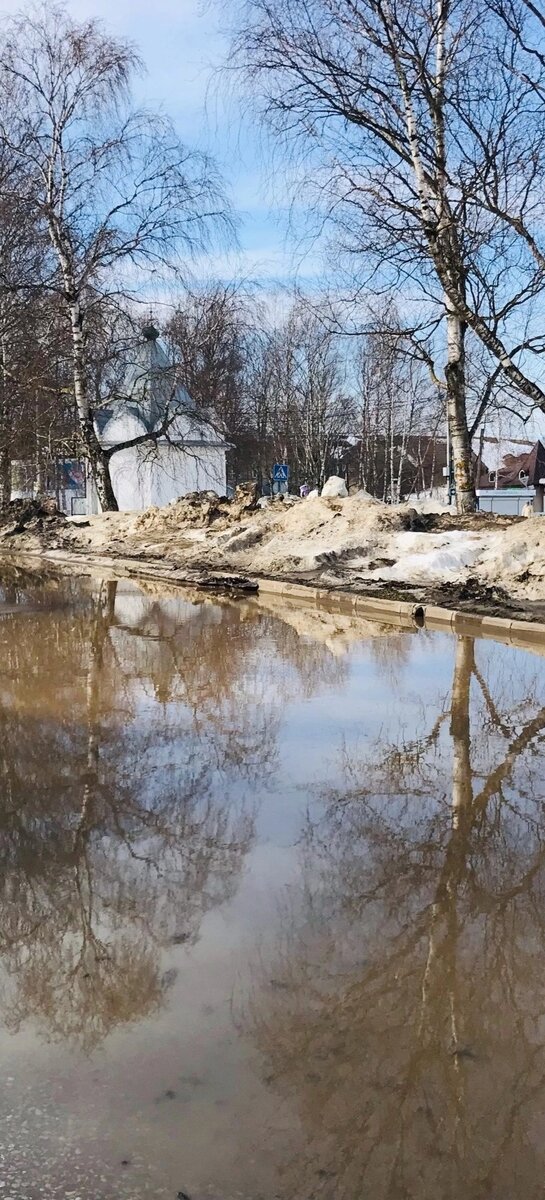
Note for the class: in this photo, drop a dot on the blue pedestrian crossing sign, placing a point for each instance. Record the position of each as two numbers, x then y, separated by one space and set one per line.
281 472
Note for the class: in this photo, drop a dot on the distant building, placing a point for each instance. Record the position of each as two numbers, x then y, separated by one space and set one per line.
420 458
190 455
514 475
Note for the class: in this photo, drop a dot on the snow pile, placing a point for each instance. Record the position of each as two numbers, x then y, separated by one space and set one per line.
334 487
431 557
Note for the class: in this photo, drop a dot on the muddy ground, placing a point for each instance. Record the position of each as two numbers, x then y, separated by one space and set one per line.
478 562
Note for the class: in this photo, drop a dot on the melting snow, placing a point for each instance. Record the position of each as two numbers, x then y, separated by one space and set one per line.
425 557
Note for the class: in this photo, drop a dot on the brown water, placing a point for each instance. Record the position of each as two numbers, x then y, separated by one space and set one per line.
272 903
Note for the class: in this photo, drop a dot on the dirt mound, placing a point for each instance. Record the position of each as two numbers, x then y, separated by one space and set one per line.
26 509
199 510
20 515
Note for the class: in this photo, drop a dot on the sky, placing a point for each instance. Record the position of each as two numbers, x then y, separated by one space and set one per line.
183 46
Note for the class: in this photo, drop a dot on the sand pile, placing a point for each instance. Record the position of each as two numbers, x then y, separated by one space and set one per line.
317 533
516 558
277 538
354 542
199 510
297 535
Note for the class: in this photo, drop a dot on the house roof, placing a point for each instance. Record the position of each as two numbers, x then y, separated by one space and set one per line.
518 457
149 389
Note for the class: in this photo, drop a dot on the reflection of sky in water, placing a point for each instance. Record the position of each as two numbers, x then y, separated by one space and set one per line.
140 693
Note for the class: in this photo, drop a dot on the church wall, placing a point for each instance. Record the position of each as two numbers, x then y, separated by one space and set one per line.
131 475
155 474
142 477
177 471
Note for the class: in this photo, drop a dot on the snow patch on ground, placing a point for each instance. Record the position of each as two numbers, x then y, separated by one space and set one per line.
430 557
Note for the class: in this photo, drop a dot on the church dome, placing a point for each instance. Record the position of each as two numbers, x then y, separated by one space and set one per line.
149 390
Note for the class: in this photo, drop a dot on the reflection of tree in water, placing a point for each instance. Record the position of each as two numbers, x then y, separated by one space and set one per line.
108 853
118 828
232 667
405 1007
391 654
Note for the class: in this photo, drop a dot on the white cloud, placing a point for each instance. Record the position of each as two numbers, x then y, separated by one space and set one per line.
178 40
182 47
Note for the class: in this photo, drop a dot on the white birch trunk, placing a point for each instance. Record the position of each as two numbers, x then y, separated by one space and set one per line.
456 412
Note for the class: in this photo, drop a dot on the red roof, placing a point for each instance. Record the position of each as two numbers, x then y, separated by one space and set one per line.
530 465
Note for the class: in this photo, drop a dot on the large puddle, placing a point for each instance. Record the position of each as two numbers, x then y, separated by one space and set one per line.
272 903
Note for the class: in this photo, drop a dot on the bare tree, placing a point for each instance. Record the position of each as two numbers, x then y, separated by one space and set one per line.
210 333
403 114
23 254
114 187
399 410
323 411
263 392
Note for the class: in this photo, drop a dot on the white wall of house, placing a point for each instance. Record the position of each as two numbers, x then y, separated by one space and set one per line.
155 474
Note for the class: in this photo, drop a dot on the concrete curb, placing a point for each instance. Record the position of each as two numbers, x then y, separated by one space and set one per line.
400 613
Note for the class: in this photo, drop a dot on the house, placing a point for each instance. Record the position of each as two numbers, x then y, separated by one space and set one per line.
514 476
419 458
189 451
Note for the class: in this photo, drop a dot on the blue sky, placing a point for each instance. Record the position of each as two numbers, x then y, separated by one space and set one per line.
183 46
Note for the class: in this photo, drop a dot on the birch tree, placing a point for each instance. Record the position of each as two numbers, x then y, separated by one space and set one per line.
118 194
22 258
401 112
399 412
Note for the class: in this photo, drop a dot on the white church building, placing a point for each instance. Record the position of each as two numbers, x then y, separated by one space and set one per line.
189 456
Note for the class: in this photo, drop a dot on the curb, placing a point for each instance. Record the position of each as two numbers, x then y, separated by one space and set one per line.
401 613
